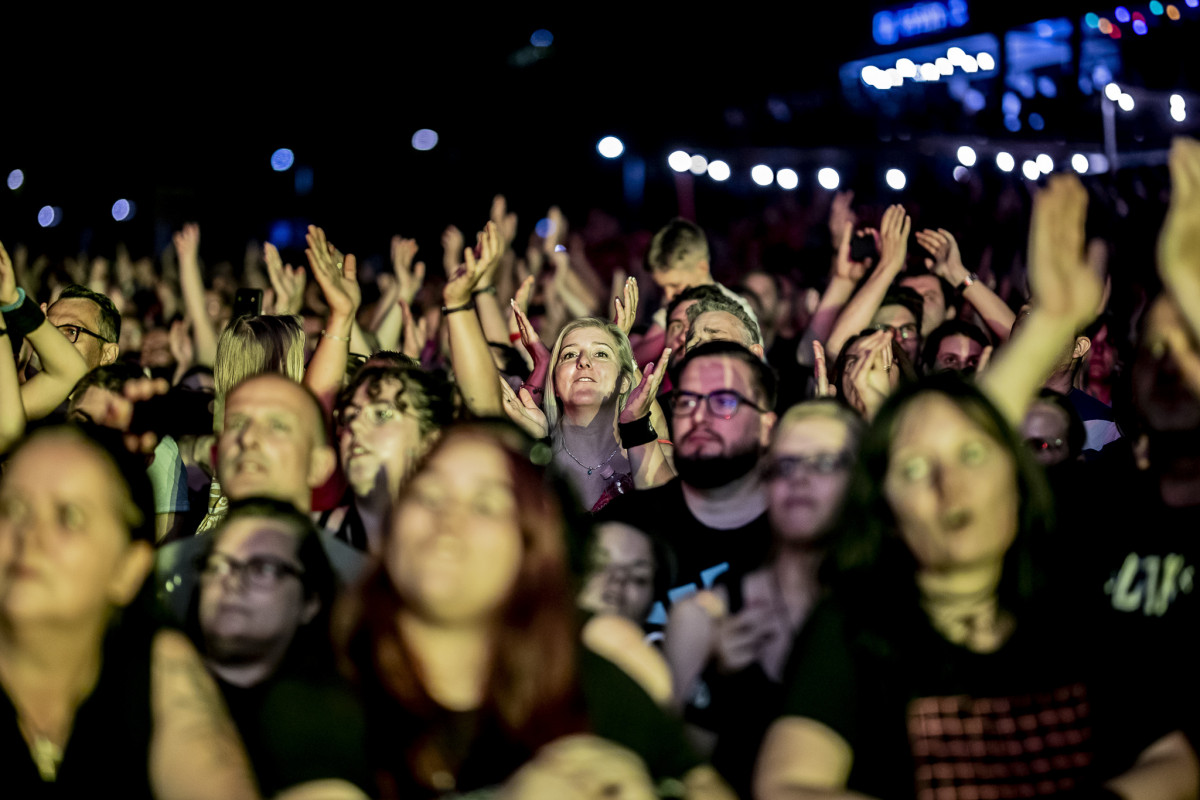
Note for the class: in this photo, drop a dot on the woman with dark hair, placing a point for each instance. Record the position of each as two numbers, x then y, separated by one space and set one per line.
95 699
942 666
870 367
465 638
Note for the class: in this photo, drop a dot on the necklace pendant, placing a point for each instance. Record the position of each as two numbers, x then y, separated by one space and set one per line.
589 472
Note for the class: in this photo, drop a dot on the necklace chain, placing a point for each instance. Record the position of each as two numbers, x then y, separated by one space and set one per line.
590 470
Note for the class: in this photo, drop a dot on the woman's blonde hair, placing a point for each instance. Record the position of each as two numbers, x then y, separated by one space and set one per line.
251 346
624 352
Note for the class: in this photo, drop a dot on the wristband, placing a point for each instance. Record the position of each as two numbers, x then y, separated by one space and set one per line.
467 306
13 305
335 338
968 282
485 290
3 331
513 337
24 318
636 433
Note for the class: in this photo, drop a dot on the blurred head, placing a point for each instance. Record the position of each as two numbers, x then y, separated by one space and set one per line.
954 345
387 417
678 257
90 317
274 443
854 350
723 320
89 400
254 345
901 314
1161 397
677 316
723 414
263 578
75 535
808 466
591 365
935 298
623 572
1053 430
765 288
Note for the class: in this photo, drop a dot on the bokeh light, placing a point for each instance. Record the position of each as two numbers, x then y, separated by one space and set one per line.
985 61
49 216
1122 14
961 173
541 38
719 171
896 179
282 159
1079 163
828 178
1112 91
1125 101
1044 163
698 165
122 210
762 175
966 156
424 139
15 179
787 179
1005 162
679 161
1030 170
610 147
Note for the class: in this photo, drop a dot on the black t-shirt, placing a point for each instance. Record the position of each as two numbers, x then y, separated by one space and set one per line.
702 553
927 718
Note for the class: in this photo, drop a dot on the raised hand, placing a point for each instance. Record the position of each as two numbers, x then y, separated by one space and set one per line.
625 313
1061 281
179 340
337 275
523 410
841 215
947 261
893 238
870 379
741 637
287 281
187 245
416 333
821 372
409 276
458 289
8 279
558 230
641 397
490 247
452 245
505 221
1179 241
843 266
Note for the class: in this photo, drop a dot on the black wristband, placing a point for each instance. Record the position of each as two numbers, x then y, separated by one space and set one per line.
467 306
636 433
25 318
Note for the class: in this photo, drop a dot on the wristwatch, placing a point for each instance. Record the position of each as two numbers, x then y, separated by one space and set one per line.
967 282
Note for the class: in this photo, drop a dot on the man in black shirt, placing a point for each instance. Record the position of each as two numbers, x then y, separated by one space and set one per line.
714 514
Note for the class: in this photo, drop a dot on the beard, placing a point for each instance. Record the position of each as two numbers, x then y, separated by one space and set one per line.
710 472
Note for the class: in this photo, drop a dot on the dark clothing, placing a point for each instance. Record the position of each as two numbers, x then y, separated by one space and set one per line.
925 717
1098 420
794 377
702 553
108 752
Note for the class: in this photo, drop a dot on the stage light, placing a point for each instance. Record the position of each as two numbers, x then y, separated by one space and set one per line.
1172 13
679 161
49 216
282 159
787 179
1091 20
1178 113
1036 122
1012 122
1122 14
1156 8
986 62
1079 163
1140 27
928 72
944 66
896 179
719 171
762 175
541 38
1005 162
610 147
906 68
1030 170
870 74
17 177
966 156
1044 163
894 78
544 227
1105 26
973 100
1099 163
828 178
961 173
1112 92
969 64
122 210
1047 86
1125 101
1176 101
1192 3
699 165
1010 103
424 139
956 55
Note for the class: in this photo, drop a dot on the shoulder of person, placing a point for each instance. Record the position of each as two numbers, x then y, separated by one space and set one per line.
623 643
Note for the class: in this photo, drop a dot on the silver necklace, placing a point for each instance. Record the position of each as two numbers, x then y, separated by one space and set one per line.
590 470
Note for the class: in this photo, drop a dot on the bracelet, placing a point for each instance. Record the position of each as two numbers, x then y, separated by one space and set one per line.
467 306
968 282
513 337
485 290
667 442
13 305
335 338
3 331
24 318
636 433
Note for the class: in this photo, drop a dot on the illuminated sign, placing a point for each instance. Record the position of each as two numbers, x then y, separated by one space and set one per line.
905 22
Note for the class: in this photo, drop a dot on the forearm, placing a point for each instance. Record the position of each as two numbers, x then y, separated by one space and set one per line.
1185 291
191 286
1021 367
650 464
995 312
859 310
62 367
473 366
491 318
650 346
12 410
360 342
327 368
837 293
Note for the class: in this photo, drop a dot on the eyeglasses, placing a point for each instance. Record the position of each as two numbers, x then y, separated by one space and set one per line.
257 572
375 414
723 403
72 333
786 467
905 331
1041 445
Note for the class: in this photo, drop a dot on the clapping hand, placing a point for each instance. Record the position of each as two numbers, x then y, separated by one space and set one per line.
625 313
287 281
409 276
337 275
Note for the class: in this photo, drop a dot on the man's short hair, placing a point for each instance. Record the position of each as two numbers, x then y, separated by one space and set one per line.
706 291
704 306
948 291
909 298
428 393
762 376
951 327
679 243
109 325
110 377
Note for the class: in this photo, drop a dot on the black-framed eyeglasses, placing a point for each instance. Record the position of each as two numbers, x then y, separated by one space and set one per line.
258 572
785 467
723 403
72 333
905 331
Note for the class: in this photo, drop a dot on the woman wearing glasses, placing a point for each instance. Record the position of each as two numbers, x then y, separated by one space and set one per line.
727 647
260 617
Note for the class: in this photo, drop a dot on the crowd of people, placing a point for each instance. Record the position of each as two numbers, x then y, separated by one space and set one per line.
919 530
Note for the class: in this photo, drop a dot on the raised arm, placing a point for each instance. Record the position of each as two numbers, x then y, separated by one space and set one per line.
647 456
842 279
470 355
1179 242
947 264
191 286
287 281
12 409
1065 296
338 280
893 249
